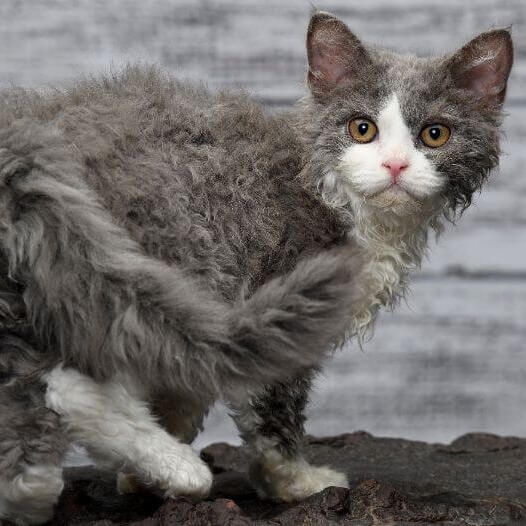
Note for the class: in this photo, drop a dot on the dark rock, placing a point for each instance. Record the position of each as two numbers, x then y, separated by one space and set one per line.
478 479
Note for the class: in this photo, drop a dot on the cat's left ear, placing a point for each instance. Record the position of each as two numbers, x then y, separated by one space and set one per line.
483 65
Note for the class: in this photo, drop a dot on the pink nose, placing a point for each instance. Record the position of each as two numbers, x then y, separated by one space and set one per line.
395 166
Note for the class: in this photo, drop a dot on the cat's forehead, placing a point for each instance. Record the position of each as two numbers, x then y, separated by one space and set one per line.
418 84
396 69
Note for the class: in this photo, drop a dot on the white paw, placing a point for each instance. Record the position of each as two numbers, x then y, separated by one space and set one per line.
290 480
184 473
30 497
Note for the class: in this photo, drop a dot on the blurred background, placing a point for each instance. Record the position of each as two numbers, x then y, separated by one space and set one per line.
453 359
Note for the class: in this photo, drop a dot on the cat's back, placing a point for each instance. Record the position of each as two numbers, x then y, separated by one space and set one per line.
205 180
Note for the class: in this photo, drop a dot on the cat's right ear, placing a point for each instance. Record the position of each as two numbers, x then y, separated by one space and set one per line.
483 66
335 54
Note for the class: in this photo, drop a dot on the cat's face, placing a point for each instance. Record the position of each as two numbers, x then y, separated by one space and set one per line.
397 134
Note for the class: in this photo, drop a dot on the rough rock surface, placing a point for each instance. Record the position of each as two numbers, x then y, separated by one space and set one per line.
478 479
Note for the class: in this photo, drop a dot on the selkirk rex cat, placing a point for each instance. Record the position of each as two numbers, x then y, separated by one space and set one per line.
162 247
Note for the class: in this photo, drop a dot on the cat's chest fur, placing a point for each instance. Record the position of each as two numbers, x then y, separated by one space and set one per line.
392 251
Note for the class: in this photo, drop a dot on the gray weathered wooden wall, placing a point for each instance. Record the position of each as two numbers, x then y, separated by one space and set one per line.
454 359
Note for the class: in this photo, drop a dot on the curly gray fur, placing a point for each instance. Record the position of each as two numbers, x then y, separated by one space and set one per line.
154 229
102 304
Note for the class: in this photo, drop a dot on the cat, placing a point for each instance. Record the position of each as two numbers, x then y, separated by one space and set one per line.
164 246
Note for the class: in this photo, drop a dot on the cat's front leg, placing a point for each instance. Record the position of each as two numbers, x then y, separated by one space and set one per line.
272 425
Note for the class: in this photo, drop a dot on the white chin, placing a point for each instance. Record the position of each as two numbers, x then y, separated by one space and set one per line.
396 200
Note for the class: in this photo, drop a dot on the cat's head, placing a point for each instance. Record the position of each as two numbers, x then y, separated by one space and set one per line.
396 133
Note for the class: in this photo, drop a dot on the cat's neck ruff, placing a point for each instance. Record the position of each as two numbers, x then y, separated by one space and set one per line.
395 245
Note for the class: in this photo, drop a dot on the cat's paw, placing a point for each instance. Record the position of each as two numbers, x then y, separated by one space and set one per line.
186 474
290 480
30 497
190 477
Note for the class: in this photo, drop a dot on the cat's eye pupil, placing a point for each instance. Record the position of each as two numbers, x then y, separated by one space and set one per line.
363 128
435 133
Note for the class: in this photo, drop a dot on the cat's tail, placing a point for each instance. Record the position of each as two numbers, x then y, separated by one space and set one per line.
291 322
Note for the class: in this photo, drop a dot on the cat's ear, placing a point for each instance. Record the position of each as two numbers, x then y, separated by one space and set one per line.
483 65
335 54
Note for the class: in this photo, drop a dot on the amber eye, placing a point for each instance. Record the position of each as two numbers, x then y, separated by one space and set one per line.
435 135
362 130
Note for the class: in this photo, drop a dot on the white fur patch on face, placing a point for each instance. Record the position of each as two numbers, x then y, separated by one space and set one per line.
363 172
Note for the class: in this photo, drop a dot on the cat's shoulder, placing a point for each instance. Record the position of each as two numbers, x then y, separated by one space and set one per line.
140 88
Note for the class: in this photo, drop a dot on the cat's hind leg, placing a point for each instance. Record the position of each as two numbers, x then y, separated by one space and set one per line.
32 446
118 429
272 425
30 483
31 453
